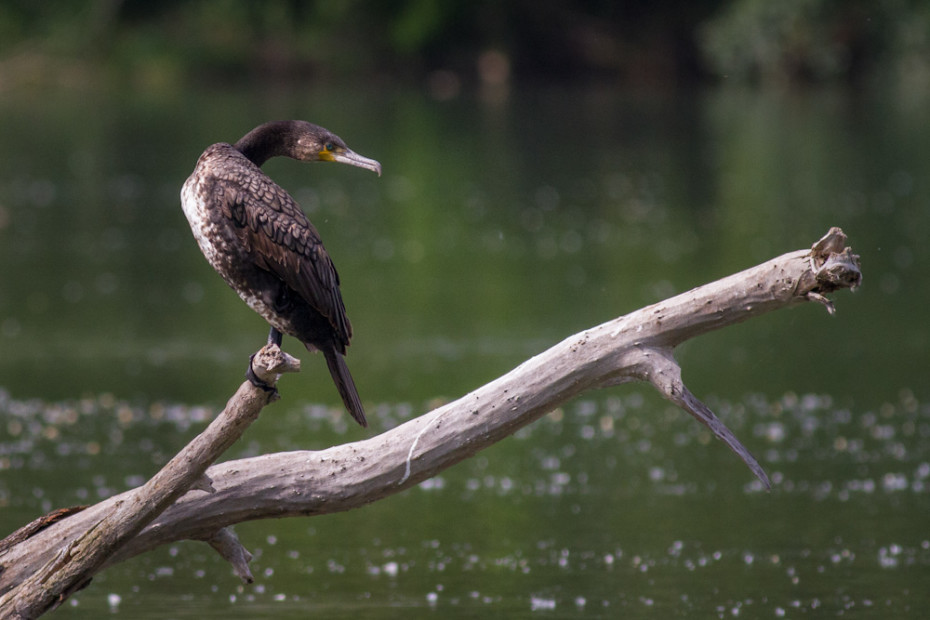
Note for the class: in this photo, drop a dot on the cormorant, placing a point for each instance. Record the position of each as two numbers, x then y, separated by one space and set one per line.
257 237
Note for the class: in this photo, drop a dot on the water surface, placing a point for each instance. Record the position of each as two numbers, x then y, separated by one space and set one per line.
499 228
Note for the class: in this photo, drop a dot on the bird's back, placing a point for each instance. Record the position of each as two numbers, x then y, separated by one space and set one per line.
257 237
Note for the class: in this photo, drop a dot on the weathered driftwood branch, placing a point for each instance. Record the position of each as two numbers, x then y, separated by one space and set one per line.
638 346
79 557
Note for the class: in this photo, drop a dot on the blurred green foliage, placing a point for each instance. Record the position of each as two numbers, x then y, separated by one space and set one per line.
813 40
662 42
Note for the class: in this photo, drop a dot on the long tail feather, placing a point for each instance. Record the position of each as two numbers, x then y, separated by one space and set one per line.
346 386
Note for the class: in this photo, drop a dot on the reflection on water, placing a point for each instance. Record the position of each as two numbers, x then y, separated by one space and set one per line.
495 231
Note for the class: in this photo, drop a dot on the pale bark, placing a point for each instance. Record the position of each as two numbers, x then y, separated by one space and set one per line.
635 347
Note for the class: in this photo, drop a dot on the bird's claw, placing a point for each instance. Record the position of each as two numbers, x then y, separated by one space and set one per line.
256 381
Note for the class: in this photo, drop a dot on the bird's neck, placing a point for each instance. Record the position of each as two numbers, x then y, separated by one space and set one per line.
266 141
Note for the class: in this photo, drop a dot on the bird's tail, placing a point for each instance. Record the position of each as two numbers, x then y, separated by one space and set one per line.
344 383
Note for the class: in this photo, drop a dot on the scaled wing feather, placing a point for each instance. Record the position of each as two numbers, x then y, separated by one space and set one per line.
283 241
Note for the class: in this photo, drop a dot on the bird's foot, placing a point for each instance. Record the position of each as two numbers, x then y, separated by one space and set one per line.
256 381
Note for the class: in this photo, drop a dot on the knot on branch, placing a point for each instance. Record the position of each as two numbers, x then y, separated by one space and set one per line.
833 266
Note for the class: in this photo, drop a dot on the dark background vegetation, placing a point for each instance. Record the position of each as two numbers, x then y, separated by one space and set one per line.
460 42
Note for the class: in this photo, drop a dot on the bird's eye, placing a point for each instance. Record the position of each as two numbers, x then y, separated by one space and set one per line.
330 147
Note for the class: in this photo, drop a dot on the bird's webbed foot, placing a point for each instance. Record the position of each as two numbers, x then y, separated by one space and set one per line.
256 381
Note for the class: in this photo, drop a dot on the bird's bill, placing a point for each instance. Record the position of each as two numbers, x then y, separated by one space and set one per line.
354 159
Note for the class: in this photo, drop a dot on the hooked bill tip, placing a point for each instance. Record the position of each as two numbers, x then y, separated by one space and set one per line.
354 159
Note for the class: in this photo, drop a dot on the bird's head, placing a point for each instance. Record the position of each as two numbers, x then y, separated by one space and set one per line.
314 143
302 141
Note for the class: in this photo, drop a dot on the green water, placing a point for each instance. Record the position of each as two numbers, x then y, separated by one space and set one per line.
498 228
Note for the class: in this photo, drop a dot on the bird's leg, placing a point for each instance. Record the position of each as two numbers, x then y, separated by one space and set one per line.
274 337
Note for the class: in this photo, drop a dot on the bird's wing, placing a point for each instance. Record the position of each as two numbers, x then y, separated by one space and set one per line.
280 238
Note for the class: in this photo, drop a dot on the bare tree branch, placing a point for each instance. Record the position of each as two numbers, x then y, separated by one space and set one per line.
635 347
81 556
